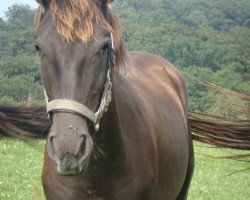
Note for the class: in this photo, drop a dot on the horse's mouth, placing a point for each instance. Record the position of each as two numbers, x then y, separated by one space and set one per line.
72 169
69 172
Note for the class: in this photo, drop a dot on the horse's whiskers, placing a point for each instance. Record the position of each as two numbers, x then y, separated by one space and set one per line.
98 151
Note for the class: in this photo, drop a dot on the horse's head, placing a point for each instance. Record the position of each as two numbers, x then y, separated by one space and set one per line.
74 41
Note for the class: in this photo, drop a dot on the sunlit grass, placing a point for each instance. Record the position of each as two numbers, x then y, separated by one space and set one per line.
21 165
20 170
214 178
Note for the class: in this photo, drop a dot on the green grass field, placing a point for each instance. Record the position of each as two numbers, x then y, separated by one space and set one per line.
21 165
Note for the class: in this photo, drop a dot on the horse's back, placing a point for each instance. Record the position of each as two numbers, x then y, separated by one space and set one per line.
162 95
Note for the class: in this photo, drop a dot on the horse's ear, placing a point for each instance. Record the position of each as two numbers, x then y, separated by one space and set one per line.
44 3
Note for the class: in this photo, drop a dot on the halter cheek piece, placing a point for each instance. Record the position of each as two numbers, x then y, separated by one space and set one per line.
68 105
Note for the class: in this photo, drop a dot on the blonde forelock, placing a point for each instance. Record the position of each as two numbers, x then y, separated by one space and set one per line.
74 20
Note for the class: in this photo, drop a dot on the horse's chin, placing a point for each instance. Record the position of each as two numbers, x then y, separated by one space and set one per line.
78 170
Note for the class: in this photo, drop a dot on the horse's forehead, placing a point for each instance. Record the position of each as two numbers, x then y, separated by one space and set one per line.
49 39
45 24
76 19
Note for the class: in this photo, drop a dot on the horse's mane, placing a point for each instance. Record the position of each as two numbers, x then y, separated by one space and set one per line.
74 20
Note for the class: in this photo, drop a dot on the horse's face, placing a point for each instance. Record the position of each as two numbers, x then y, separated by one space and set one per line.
77 71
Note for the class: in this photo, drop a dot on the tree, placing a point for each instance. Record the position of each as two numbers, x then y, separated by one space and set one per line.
20 16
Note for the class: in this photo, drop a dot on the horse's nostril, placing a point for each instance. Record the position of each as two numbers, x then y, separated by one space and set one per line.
83 138
83 142
51 139
51 149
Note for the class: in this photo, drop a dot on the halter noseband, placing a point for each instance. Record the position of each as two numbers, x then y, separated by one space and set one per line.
60 105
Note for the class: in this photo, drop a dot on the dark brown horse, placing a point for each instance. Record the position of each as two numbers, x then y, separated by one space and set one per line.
141 148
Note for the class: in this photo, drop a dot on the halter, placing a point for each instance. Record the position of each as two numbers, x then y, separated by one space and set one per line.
60 105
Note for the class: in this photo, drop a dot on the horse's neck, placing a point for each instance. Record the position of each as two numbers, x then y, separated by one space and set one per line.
107 156
110 130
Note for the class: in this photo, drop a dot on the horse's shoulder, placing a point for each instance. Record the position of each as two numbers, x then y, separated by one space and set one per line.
147 61
147 64
149 67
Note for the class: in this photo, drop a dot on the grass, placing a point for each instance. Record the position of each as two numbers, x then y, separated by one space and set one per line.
214 178
20 170
21 165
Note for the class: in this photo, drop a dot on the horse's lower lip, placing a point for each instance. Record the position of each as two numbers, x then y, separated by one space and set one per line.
81 169
68 172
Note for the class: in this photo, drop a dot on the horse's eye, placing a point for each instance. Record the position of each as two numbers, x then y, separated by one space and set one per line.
38 49
104 49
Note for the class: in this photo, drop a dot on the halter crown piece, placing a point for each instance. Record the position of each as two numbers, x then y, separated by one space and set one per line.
60 105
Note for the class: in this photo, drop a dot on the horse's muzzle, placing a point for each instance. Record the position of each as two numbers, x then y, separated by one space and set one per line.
70 162
69 144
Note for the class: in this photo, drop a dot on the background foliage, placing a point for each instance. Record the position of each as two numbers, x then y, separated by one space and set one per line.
206 40
19 72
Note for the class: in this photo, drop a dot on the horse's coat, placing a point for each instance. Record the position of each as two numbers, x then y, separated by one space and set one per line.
145 139
143 149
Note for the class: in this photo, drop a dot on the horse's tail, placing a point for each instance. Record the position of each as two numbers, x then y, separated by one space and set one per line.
219 131
32 122
24 122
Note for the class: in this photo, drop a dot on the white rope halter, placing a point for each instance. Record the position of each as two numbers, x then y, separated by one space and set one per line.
76 107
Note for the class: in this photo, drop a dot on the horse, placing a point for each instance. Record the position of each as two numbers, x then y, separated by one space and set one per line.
119 122
144 141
